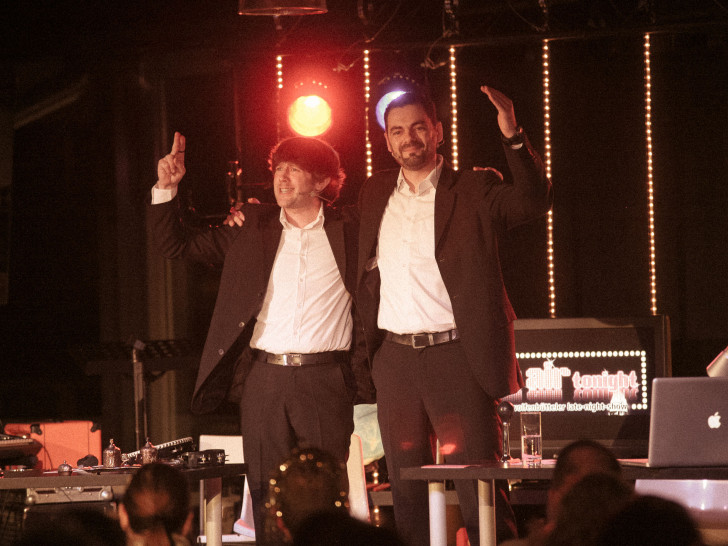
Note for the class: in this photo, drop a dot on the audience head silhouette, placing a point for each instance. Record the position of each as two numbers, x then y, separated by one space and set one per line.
586 507
155 509
576 460
311 480
77 526
648 520
340 528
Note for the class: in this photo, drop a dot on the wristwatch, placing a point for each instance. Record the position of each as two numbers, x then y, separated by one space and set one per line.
515 139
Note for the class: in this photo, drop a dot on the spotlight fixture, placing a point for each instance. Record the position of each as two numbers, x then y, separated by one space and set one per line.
309 115
384 102
281 7
389 89
309 111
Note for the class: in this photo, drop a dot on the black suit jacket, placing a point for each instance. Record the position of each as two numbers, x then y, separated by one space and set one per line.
471 208
246 255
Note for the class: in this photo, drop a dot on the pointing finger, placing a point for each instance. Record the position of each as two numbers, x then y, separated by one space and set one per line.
175 143
178 145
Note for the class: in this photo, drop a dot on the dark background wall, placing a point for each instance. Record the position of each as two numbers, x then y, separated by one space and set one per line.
91 106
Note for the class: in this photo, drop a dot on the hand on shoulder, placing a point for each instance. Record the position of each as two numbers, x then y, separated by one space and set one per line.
236 216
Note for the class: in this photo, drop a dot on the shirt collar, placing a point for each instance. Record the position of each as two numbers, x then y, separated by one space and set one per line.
430 180
317 223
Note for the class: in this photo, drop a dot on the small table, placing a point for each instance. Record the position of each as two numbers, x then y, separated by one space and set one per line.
487 473
210 477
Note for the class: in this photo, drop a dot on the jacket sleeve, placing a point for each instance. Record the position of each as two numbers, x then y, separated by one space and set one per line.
366 393
527 198
174 238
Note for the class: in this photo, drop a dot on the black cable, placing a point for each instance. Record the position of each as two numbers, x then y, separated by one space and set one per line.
537 28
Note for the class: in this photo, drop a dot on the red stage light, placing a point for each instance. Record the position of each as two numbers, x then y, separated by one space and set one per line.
309 115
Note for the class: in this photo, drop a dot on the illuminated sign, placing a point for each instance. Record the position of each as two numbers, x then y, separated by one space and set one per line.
567 382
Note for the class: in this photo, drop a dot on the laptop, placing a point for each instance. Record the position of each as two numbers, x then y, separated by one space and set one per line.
688 422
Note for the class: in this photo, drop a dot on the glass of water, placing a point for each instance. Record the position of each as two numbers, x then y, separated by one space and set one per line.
531 446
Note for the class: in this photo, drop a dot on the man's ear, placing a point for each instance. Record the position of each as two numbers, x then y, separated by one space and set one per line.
389 146
187 527
438 129
123 518
319 186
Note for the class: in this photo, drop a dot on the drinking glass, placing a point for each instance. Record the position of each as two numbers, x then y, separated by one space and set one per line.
531 445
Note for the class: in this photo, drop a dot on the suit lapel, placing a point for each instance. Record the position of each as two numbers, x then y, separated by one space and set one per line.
370 222
334 228
272 230
444 203
379 203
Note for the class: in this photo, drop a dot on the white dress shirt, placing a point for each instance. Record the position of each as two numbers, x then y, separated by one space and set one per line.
306 308
162 196
413 297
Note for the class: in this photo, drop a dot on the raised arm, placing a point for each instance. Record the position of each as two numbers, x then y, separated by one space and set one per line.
506 114
173 237
530 195
171 168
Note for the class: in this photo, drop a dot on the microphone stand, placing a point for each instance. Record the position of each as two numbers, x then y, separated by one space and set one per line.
505 411
140 399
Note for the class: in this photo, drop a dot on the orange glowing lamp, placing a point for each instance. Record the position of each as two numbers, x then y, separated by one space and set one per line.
309 115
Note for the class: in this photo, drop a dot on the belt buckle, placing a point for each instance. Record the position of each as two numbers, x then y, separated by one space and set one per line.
429 339
289 359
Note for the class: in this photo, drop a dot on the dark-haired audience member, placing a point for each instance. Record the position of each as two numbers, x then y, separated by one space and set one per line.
155 510
585 509
74 526
310 481
332 528
577 460
308 504
648 521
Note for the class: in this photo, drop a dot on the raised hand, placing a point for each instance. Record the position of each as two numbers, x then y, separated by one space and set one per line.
236 216
171 168
506 115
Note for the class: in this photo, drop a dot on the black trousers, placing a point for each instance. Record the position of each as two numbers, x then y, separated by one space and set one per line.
284 407
432 390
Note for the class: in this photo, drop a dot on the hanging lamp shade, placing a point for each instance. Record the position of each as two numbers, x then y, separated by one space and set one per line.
281 7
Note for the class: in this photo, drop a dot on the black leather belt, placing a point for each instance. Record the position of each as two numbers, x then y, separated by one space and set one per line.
301 359
420 341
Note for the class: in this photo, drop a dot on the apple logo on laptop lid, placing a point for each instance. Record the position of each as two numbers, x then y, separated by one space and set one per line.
714 420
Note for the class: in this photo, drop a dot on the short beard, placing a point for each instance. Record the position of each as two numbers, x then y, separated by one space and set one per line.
415 161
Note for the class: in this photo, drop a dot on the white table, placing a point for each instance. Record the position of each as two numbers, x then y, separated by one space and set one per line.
487 473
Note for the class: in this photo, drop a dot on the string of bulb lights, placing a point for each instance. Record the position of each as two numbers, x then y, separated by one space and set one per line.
298 117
